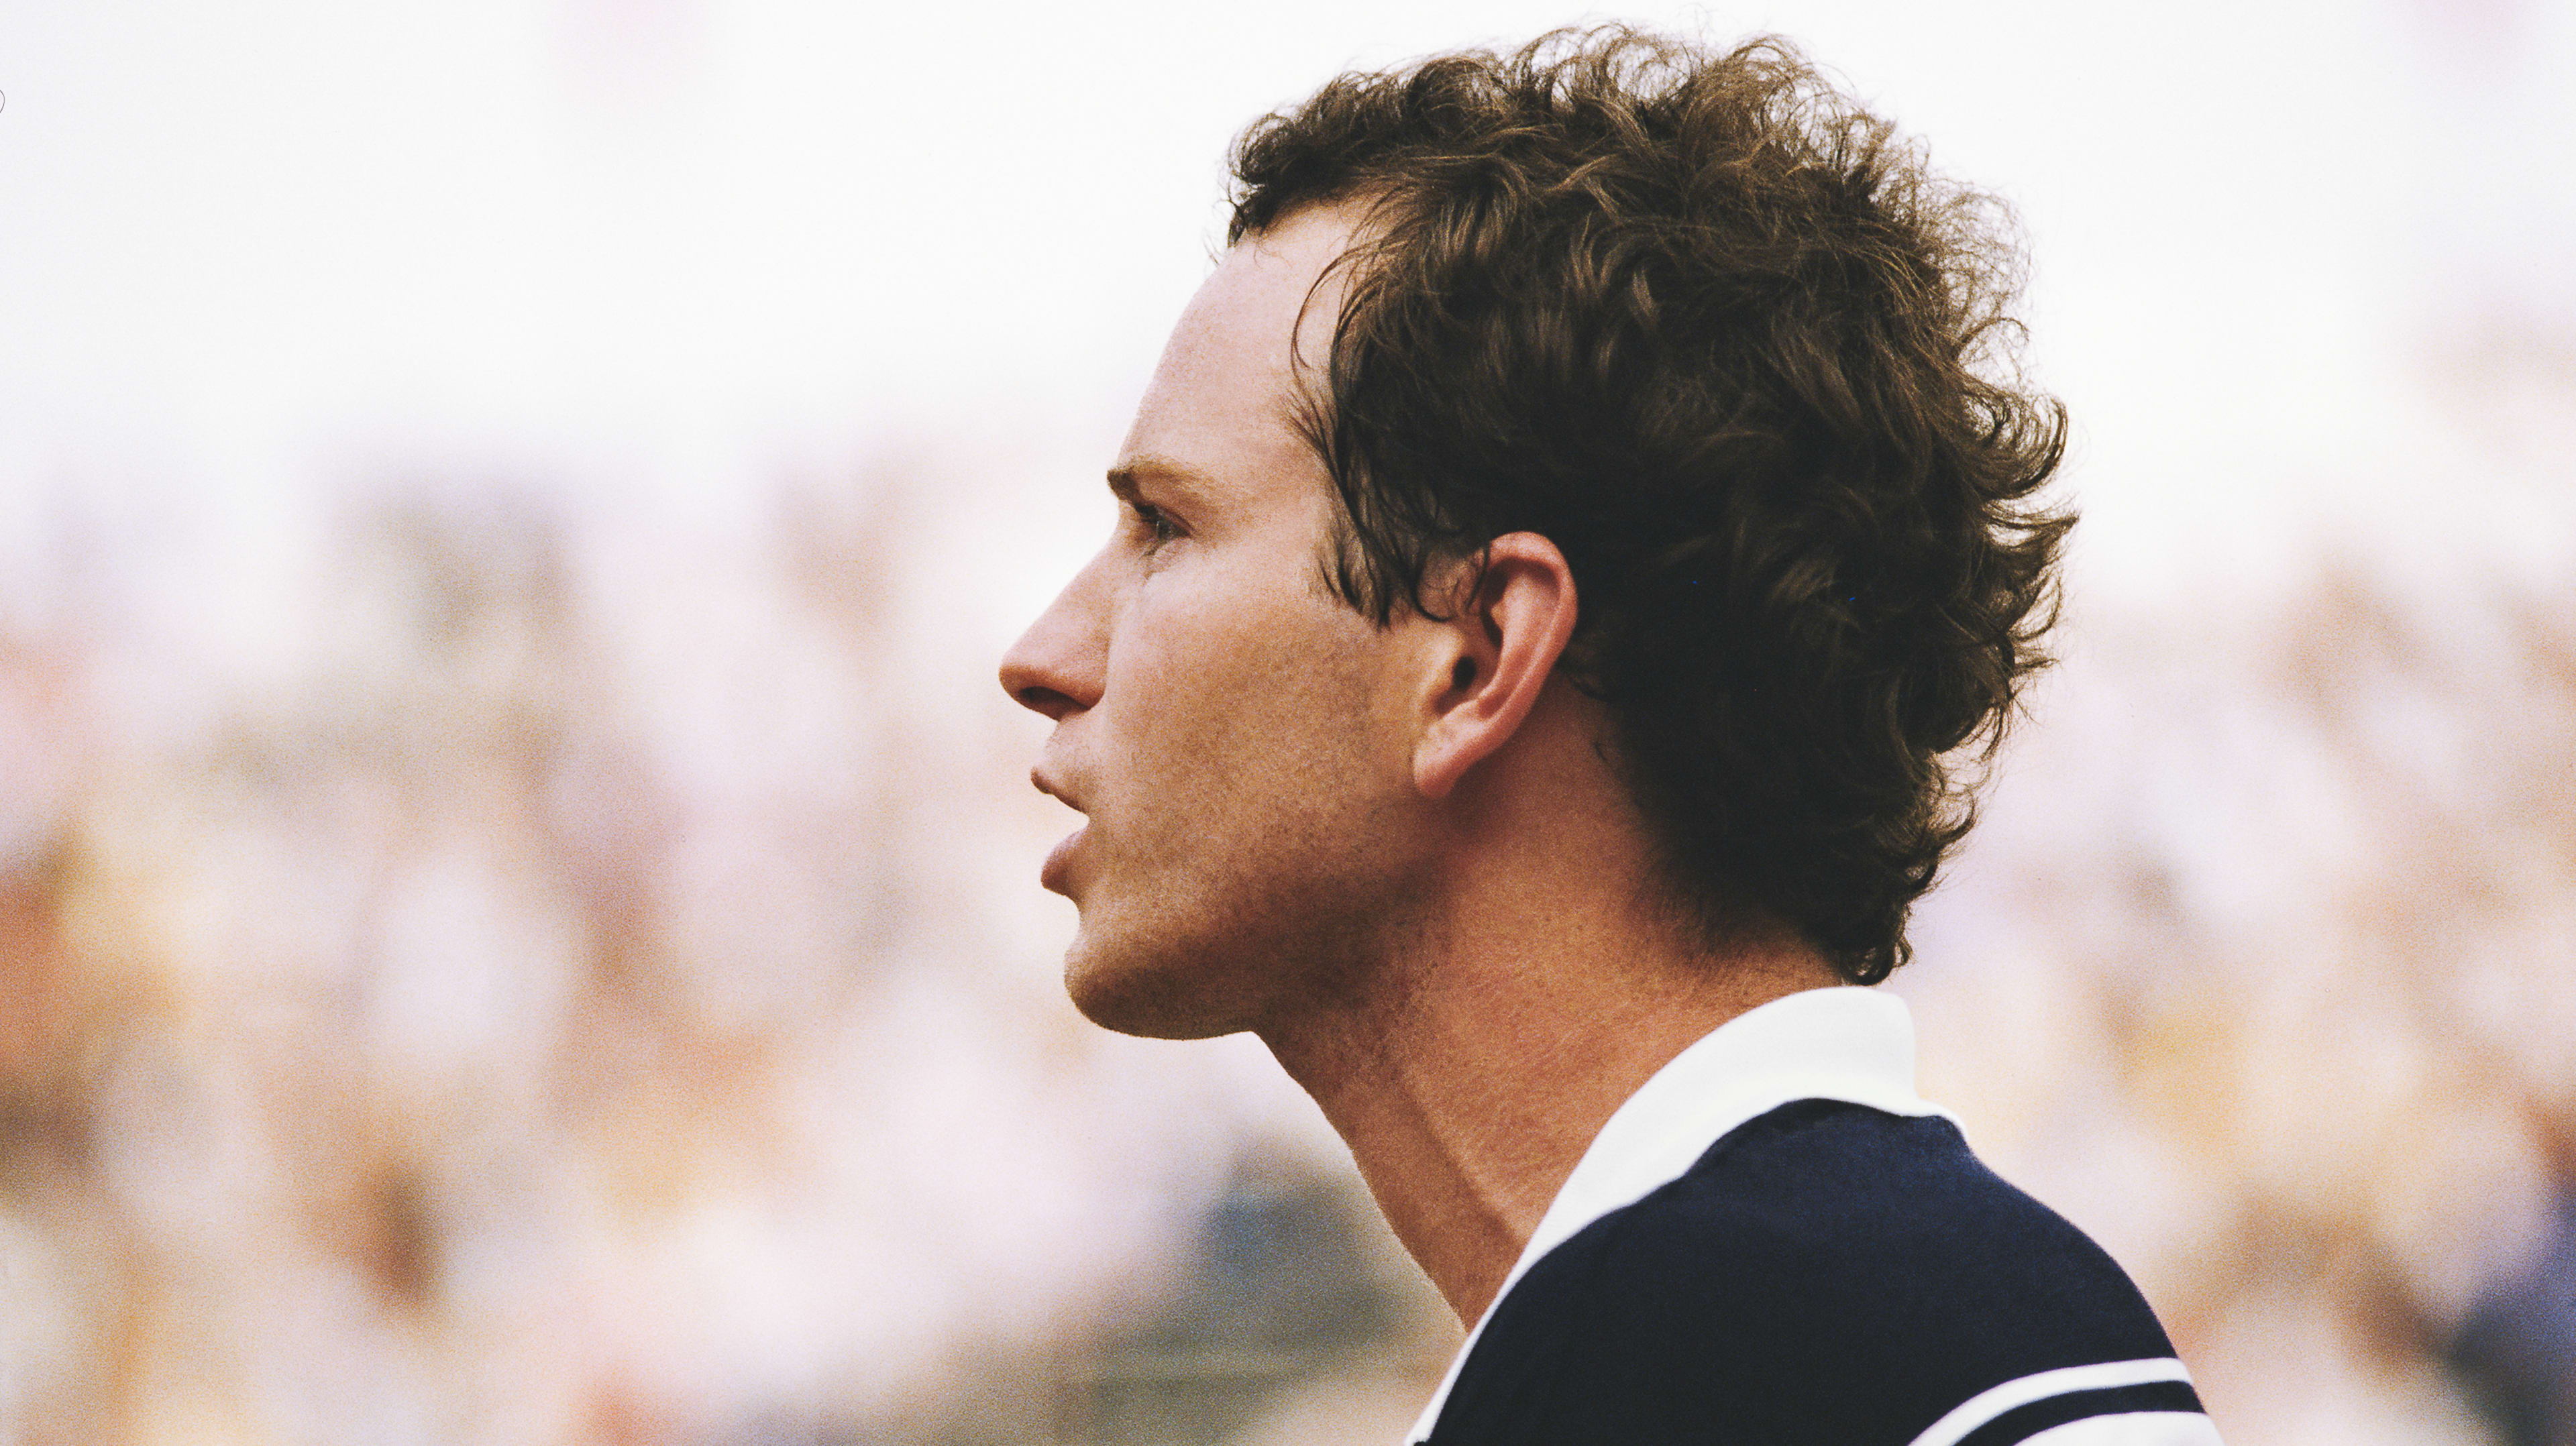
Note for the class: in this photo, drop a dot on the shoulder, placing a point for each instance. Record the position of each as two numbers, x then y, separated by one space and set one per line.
1825 1273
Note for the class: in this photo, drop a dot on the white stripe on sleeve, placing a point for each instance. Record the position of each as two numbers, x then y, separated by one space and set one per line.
1986 1405
2132 1428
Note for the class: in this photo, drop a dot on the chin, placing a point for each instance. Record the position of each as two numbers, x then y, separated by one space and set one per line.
1152 998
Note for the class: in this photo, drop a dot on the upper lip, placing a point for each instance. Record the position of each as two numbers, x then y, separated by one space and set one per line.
1053 789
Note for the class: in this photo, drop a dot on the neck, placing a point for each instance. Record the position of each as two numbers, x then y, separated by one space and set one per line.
1491 1047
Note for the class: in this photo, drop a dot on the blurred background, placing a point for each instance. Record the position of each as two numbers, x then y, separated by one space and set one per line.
518 918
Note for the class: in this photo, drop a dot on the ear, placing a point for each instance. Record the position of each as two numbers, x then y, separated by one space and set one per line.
1494 655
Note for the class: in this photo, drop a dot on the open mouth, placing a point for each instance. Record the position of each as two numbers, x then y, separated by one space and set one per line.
1058 859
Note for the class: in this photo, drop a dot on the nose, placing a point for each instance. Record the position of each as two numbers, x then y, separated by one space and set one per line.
1058 665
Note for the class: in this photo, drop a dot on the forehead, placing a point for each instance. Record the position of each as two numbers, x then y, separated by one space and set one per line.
1223 401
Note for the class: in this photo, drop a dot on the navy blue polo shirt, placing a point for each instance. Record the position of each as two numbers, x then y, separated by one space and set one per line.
1775 1242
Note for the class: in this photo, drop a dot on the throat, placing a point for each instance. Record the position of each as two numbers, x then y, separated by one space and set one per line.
1468 1101
1462 1176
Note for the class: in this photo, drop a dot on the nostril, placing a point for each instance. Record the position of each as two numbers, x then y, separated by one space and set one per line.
1044 700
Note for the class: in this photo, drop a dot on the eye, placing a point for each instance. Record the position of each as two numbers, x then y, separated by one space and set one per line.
1157 523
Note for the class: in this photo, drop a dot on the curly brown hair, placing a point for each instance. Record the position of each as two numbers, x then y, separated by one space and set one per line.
1718 333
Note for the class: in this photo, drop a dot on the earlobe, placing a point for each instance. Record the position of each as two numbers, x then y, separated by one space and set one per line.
1502 646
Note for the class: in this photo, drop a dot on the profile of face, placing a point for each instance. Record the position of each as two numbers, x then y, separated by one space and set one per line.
1234 734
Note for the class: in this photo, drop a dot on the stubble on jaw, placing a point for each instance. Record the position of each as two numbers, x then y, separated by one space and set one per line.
1296 908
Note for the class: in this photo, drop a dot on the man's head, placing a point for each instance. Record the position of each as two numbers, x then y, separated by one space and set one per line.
1679 335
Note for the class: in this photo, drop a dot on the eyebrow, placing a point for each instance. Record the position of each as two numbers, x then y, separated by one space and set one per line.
1126 479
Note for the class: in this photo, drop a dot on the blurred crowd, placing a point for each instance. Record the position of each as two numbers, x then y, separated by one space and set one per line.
595 994
595 991
546 951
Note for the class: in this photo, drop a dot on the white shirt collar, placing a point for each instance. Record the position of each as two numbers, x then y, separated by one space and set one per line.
1849 1044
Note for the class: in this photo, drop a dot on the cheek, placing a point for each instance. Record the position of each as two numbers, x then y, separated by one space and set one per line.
1230 702
1191 677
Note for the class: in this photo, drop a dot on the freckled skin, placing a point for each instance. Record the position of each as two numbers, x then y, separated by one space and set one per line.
1235 734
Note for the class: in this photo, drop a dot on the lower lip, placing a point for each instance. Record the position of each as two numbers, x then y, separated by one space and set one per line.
1051 875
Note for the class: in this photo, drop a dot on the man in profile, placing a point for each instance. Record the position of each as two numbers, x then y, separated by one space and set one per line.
1562 548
